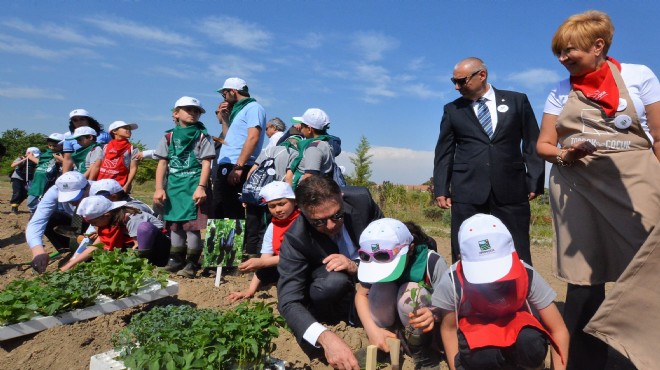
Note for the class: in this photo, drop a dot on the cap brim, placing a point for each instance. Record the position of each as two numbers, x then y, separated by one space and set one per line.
69 196
118 204
484 272
383 272
296 120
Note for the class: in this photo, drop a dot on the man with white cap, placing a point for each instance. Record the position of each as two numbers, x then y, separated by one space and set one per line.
318 151
55 209
486 299
243 126
21 177
318 264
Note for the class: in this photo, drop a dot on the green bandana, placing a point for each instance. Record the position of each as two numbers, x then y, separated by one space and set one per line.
237 108
80 156
40 179
415 271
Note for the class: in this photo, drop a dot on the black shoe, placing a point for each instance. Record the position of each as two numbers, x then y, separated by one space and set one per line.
14 210
189 271
174 265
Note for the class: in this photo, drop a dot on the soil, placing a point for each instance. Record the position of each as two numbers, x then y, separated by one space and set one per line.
71 346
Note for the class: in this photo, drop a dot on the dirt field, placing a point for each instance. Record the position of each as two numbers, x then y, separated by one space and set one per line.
71 346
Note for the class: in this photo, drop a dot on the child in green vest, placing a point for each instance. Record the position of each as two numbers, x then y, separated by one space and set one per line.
88 157
48 169
185 155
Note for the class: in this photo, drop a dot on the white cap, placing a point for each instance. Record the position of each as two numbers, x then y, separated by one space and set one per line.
384 234
105 185
96 206
487 250
234 83
56 137
79 112
296 120
82 131
277 190
117 124
70 186
316 118
189 101
34 150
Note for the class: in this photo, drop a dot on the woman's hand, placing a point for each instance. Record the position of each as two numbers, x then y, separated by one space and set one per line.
578 151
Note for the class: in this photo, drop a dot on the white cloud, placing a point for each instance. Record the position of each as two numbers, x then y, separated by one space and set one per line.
417 63
535 78
137 31
372 45
235 32
375 82
179 73
22 92
234 65
15 45
54 31
422 91
311 40
398 165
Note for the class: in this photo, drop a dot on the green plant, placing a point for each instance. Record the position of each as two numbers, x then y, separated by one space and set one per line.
182 337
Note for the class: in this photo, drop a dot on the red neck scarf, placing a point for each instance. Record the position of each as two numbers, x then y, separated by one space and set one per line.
113 166
113 237
600 87
280 227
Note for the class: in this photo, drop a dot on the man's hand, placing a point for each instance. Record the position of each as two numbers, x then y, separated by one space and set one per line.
337 352
40 259
339 262
223 111
253 264
531 196
443 202
234 177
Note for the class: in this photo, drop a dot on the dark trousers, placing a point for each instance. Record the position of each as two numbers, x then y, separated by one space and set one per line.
529 351
60 242
18 191
256 222
153 244
268 275
331 295
585 351
514 216
225 195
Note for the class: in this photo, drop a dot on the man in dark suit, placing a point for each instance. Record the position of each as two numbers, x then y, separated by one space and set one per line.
485 158
318 263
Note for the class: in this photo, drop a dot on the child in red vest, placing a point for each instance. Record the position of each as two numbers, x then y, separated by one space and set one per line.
282 205
120 161
486 297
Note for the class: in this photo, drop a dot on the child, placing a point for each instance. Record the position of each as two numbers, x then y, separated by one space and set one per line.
111 189
185 154
21 176
47 171
120 158
392 262
485 298
282 206
87 158
120 226
81 118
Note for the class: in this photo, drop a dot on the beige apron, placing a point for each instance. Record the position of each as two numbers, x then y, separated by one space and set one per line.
606 204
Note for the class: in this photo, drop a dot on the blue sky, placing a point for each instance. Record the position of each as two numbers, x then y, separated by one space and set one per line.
378 68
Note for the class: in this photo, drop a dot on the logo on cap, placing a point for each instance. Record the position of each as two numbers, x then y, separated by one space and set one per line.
375 247
485 247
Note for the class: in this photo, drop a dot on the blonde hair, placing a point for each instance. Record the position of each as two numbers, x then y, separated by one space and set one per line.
582 30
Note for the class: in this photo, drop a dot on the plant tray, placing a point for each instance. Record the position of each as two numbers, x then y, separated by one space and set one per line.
104 305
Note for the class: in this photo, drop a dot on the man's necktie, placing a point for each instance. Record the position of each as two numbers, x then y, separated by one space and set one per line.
484 117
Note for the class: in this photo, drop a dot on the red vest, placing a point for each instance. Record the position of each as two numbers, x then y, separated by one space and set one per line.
113 166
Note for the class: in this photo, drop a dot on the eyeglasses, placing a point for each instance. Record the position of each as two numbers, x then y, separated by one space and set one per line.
381 255
224 93
318 222
464 80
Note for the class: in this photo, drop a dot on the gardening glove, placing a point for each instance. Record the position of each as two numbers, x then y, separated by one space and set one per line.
40 262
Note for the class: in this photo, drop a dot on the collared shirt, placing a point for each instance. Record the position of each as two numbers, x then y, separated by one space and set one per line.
36 228
489 96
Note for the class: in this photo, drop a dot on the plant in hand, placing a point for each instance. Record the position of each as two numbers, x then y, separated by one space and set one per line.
417 300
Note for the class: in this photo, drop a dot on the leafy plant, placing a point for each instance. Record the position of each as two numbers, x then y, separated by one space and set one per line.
182 337
417 301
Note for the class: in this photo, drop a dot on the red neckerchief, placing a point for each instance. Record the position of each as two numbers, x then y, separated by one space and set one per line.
280 227
112 166
600 87
113 237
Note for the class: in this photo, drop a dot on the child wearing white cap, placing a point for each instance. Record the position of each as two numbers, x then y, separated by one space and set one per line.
184 155
120 158
392 263
121 226
48 169
485 299
21 176
88 156
317 151
281 204
81 118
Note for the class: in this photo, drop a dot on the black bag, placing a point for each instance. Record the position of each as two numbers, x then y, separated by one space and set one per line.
262 176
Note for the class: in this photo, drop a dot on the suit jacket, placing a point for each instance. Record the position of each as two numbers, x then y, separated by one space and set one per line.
303 250
469 165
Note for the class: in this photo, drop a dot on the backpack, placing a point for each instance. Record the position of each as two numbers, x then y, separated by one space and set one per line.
262 176
335 172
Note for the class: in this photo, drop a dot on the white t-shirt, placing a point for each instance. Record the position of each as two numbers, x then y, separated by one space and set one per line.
641 82
267 244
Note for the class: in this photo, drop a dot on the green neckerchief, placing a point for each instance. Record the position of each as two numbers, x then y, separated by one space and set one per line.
40 179
79 157
185 136
415 270
302 145
238 107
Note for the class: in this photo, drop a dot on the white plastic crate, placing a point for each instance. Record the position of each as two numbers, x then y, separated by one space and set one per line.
104 305
106 361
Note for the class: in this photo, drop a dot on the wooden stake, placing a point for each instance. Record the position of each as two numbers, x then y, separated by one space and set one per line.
395 346
372 351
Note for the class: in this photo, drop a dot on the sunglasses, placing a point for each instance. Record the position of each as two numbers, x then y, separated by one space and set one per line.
381 255
318 222
464 80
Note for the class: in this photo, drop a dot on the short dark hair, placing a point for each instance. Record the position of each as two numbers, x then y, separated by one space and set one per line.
315 190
